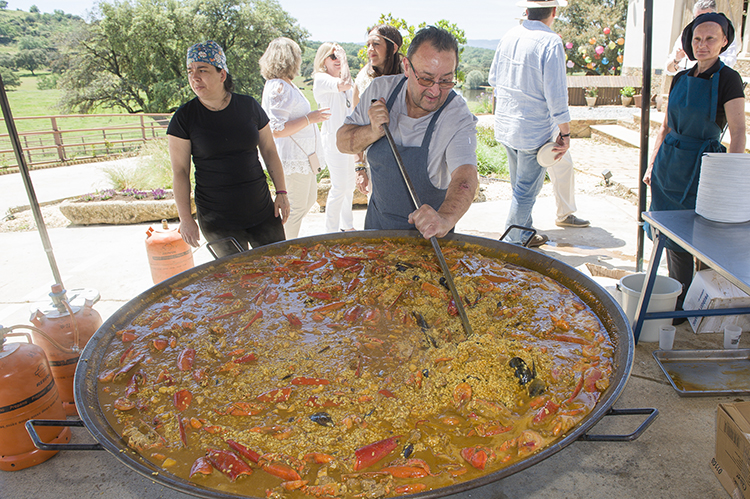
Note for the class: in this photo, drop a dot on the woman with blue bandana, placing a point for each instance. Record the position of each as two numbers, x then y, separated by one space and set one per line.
223 132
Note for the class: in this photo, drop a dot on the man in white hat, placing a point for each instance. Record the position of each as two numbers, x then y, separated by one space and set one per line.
528 73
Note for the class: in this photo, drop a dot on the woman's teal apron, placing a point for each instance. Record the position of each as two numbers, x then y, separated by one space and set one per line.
390 203
692 119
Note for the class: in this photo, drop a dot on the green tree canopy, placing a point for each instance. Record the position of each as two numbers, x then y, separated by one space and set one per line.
132 55
593 32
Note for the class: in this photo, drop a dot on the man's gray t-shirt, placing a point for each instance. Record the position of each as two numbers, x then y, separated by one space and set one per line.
454 140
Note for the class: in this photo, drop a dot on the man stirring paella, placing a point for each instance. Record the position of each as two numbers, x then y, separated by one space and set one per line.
435 134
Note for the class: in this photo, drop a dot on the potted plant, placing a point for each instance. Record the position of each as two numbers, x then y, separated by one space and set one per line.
591 93
626 94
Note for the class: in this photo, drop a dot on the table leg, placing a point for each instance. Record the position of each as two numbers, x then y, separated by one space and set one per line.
648 284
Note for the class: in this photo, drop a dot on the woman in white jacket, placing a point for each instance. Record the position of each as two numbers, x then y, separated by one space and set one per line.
294 127
332 88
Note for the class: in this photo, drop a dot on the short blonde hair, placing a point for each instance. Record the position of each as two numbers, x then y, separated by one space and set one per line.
282 59
325 50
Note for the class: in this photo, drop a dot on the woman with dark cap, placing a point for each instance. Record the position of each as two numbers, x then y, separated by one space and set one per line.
222 132
702 101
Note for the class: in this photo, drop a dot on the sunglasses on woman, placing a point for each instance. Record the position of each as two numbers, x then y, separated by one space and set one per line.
332 56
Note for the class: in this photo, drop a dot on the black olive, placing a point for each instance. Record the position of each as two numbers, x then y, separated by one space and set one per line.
322 418
403 266
499 304
309 301
408 450
415 278
536 387
426 373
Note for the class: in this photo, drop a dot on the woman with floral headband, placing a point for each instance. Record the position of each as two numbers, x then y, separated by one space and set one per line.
222 132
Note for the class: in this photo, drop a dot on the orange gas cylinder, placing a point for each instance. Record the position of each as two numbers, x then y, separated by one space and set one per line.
71 324
167 253
27 391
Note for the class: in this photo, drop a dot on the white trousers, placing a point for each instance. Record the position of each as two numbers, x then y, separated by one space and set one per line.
339 204
563 185
302 190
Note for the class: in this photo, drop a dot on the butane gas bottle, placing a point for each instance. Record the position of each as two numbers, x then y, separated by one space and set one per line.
71 332
168 254
27 391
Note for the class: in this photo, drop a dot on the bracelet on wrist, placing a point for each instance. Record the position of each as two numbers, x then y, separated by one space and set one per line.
360 169
280 192
308 120
563 135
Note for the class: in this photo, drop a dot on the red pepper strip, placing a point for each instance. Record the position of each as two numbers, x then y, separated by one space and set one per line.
182 399
545 412
201 465
358 372
394 300
331 306
352 314
496 279
244 451
247 358
317 264
293 319
346 261
233 312
352 285
386 393
320 295
257 316
452 308
228 463
183 435
577 389
161 321
251 276
186 359
372 453
260 293
310 381
225 295
570 339
277 395
127 352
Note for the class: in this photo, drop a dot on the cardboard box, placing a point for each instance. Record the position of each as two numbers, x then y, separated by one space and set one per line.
732 462
709 290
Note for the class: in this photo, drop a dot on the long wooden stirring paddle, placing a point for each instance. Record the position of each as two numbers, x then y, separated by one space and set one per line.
433 239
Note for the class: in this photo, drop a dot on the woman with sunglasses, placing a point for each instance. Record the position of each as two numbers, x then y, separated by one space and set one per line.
332 88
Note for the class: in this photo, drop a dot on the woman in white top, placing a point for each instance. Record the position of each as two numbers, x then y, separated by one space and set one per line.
332 88
294 128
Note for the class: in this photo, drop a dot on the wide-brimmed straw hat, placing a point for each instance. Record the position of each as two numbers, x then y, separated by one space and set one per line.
538 4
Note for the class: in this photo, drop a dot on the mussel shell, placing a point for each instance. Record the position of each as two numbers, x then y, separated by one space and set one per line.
322 418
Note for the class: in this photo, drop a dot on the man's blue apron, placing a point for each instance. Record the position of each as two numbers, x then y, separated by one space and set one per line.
390 202
692 120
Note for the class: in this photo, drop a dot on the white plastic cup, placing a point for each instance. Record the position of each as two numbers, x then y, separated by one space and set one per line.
666 337
732 336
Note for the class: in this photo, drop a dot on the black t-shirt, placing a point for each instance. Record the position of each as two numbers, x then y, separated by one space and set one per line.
730 87
230 185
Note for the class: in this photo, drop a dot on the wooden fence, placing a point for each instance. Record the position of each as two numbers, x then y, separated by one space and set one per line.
58 139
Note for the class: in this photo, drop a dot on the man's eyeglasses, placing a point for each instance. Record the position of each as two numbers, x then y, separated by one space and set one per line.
332 56
429 82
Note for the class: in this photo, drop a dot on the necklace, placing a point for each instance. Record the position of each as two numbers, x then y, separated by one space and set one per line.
221 105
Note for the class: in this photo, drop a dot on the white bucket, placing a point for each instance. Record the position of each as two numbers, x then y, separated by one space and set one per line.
663 299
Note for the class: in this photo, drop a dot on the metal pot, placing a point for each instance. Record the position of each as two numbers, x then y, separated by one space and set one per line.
600 301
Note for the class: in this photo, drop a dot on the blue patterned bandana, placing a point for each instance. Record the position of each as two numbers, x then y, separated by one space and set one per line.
209 52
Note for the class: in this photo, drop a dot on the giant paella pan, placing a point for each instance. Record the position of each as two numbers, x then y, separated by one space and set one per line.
336 366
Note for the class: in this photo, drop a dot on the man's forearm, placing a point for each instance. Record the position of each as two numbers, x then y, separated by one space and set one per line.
461 192
354 139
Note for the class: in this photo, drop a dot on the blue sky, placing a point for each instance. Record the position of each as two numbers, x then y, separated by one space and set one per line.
347 20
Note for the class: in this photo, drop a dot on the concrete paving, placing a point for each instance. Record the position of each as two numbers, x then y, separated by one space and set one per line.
670 460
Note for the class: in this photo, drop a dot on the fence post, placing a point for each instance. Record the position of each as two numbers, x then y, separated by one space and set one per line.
143 129
58 139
